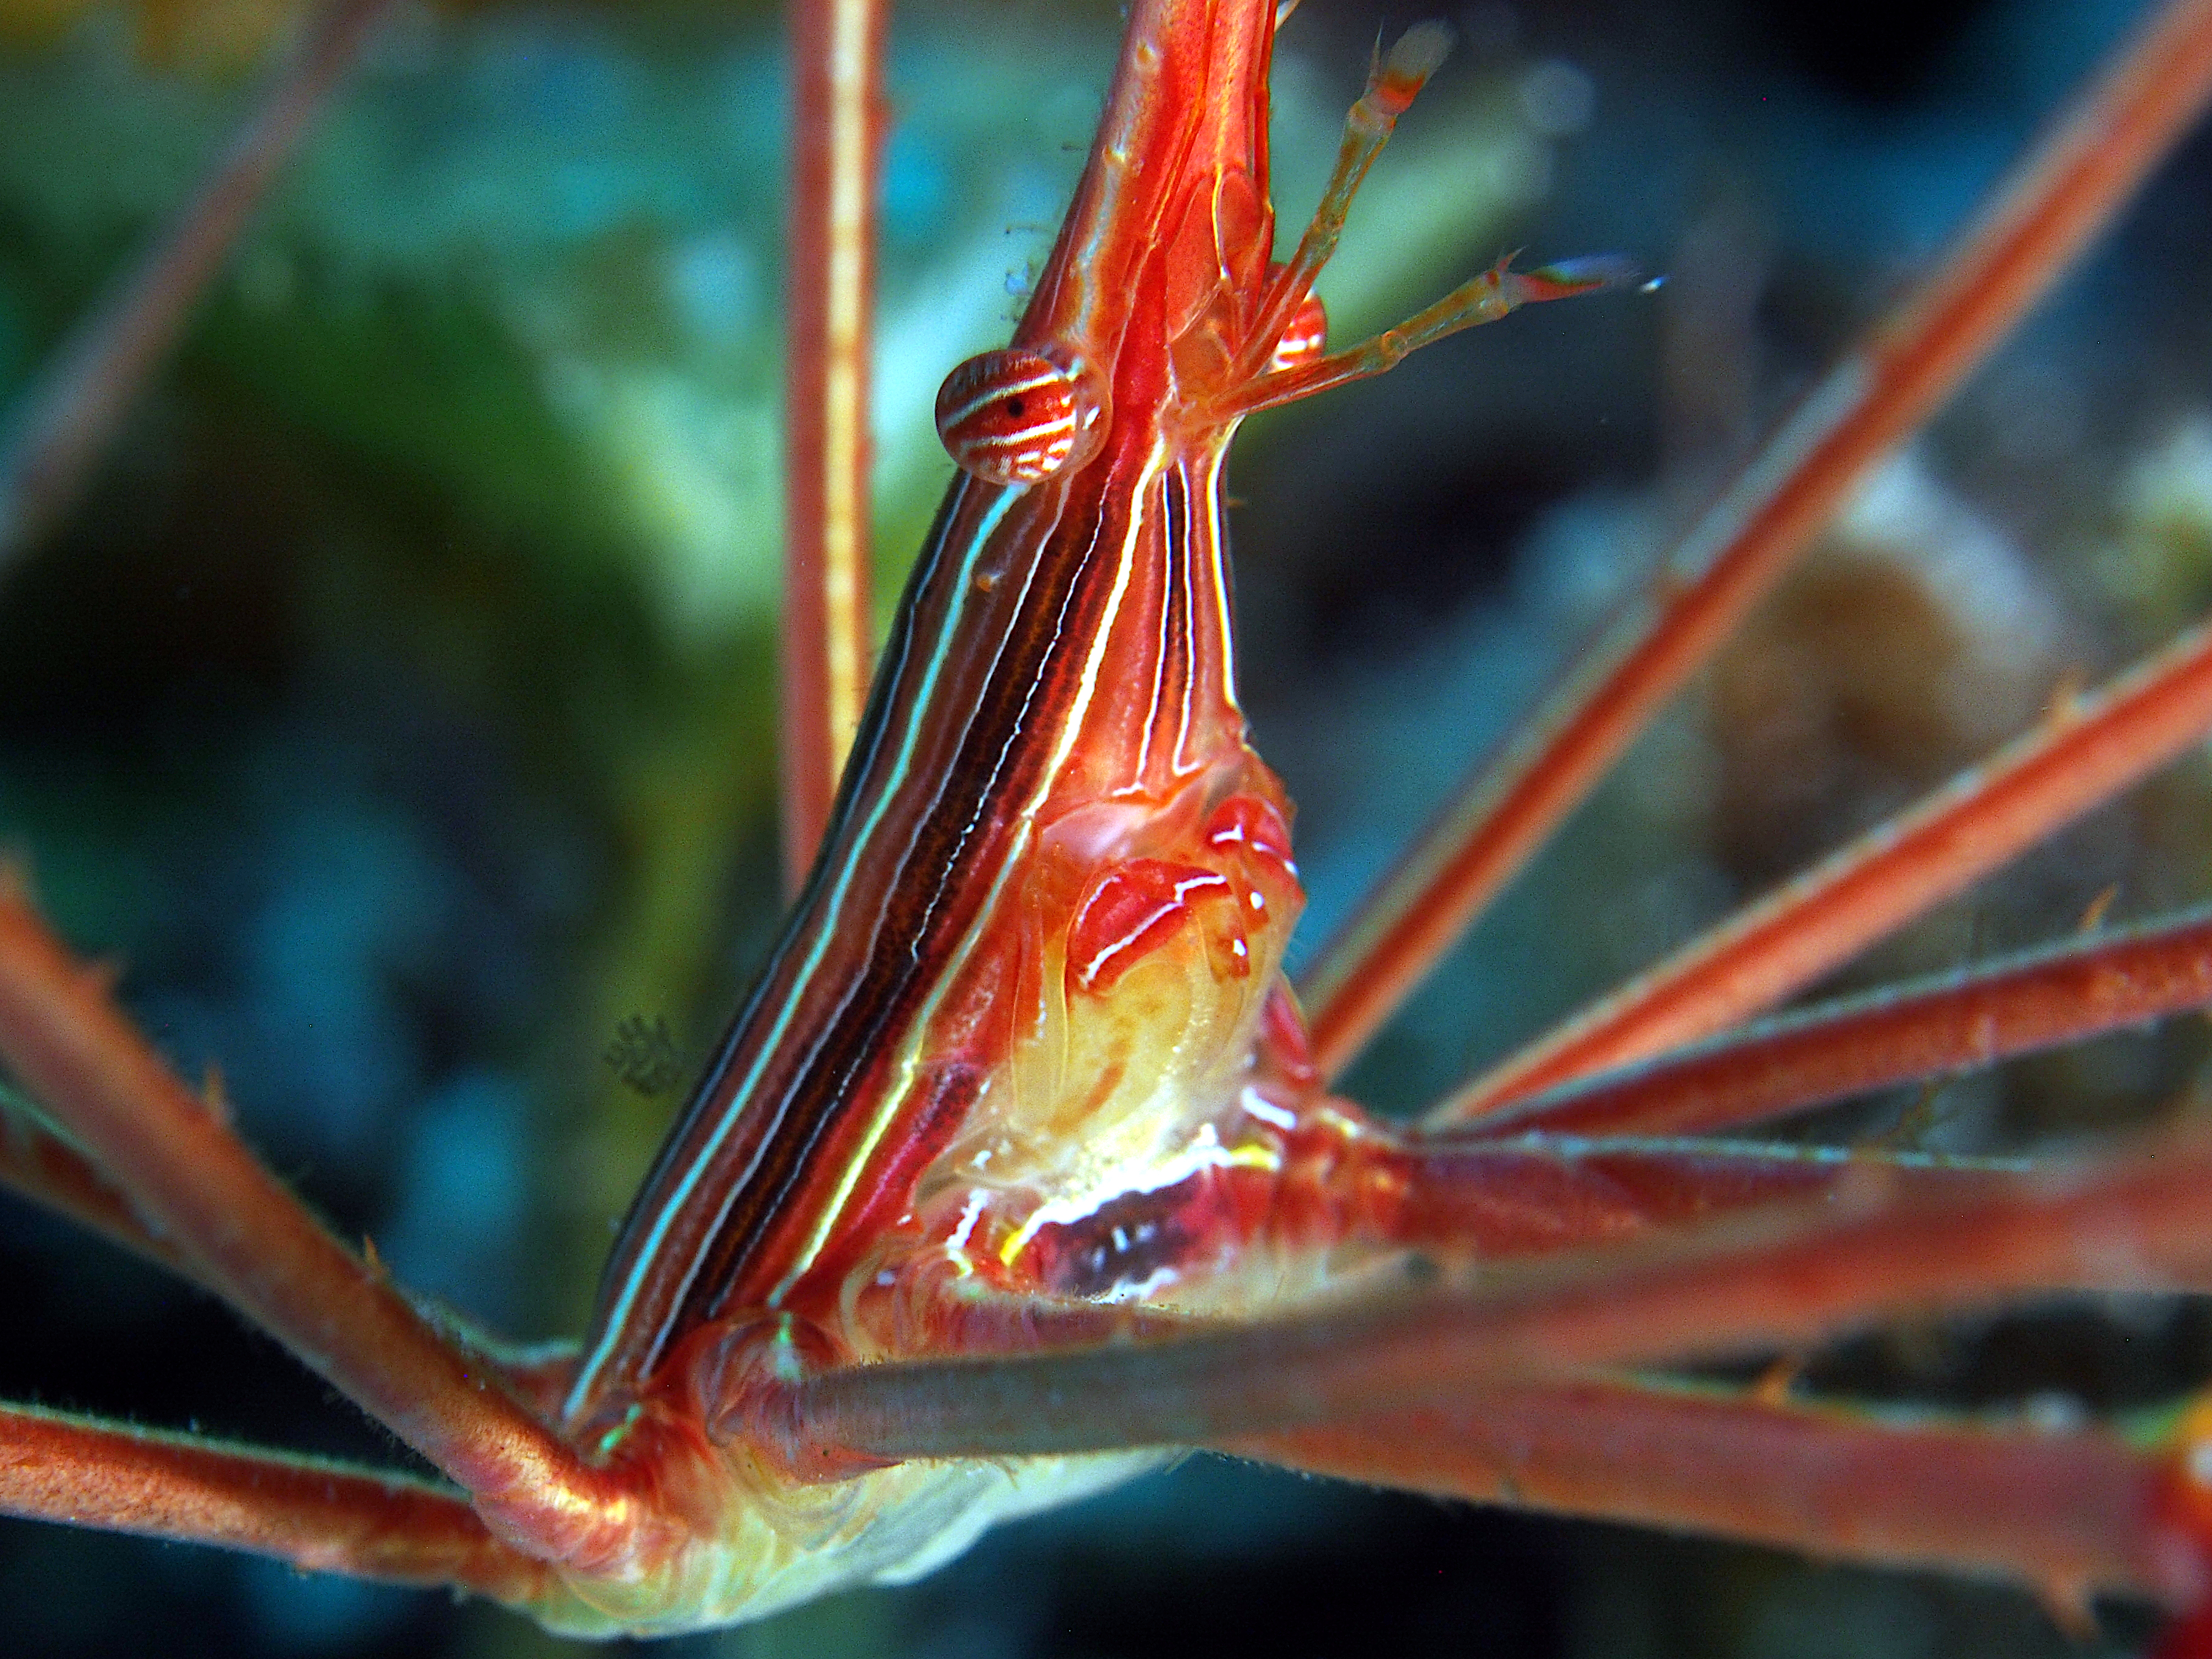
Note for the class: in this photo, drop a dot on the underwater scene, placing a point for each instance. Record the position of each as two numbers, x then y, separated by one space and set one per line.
392 705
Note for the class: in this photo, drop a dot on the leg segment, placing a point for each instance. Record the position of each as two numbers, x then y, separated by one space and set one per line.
189 1180
1780 1277
315 1514
1935 1027
2077 760
2066 1511
67 417
39 1163
1539 1194
1345 1181
837 127
2059 197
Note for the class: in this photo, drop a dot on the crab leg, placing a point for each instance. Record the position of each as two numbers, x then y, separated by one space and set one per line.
42 1166
2081 756
2059 198
66 420
1343 1179
1537 1194
1956 1022
1392 86
2131 1224
837 127
2066 1511
313 1513
189 1179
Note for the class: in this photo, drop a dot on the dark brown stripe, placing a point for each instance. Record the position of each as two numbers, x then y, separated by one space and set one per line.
928 897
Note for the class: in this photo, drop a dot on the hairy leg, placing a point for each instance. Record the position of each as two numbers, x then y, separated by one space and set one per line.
64 422
2067 1511
191 1181
311 1512
1933 1029
2058 198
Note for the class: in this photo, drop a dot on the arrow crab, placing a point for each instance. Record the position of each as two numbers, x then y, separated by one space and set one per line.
1917 632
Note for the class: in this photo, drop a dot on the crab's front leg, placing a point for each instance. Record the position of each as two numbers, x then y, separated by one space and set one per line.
61 426
186 1185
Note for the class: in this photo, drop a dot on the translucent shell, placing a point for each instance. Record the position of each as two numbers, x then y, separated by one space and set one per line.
1306 340
1018 416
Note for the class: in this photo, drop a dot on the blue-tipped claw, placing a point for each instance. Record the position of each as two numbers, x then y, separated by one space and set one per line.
1592 274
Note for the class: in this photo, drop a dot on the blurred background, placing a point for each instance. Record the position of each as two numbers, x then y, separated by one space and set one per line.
394 706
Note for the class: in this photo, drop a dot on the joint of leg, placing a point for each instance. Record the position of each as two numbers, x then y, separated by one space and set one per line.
747 1380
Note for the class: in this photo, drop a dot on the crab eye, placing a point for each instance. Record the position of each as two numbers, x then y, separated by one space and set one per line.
1018 416
1306 338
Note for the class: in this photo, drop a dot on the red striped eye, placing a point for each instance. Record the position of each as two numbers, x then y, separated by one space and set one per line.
1017 415
1306 340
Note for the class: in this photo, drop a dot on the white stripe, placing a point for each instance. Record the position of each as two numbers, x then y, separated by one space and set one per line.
618 1314
992 394
1219 572
910 1058
1153 704
1183 764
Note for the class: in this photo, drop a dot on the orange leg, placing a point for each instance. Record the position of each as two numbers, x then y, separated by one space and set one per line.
309 1511
64 422
189 1180
2083 755
39 1163
2059 197
1346 1181
2068 1512
838 123
1541 1194
2063 993
2134 1223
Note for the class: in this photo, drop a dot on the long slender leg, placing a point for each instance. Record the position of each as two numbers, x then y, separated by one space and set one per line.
1496 1200
189 1179
2067 1511
1344 1181
2131 1224
2060 196
310 1512
39 1162
2081 756
64 421
837 127
42 1164
1395 81
1952 1024
1495 295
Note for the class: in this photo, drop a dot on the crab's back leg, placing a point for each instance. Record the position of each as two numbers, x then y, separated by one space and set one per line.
55 437
2067 1513
2085 753
2132 1222
1932 1028
2059 197
310 1512
837 128
189 1181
